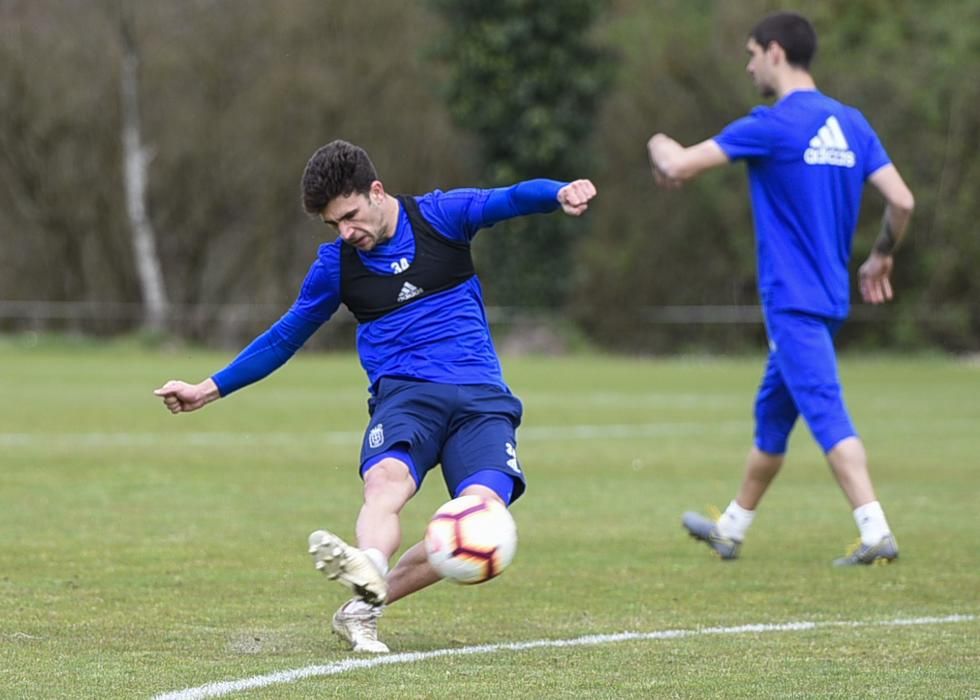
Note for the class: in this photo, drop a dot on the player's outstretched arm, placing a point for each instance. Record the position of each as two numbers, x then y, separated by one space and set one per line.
574 197
874 275
181 397
673 164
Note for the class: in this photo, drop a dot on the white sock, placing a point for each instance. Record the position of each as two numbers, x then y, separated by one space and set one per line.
735 521
378 559
870 519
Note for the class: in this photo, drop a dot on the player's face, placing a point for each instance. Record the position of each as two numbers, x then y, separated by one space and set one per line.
760 68
359 218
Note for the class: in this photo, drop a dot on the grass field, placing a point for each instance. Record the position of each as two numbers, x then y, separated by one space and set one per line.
142 553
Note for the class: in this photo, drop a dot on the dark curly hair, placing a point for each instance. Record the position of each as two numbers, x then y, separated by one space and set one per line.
791 31
336 170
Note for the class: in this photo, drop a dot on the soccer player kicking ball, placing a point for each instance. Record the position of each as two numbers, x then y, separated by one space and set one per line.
808 157
402 266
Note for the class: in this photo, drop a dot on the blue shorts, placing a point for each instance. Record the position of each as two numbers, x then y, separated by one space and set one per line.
800 379
466 428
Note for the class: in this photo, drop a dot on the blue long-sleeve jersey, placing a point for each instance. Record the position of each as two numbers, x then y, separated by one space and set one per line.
443 338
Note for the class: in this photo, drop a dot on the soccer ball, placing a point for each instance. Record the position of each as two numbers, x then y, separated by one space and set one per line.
471 539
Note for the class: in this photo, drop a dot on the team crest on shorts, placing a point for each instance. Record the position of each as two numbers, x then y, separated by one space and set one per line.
376 437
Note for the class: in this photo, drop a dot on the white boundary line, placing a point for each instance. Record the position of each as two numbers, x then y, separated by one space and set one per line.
220 688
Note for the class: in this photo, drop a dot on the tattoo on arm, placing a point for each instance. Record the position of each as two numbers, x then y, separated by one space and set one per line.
886 242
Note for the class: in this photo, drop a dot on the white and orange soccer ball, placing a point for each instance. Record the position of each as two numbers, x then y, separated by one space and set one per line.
471 539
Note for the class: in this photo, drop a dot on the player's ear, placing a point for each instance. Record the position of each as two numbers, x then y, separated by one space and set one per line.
776 52
377 192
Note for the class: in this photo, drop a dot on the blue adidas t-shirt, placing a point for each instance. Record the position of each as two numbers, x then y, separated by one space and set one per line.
808 157
442 338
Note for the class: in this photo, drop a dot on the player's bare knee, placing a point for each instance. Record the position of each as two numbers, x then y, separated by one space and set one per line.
388 480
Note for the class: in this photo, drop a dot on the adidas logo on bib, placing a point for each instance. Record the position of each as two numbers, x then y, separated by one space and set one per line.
829 147
408 291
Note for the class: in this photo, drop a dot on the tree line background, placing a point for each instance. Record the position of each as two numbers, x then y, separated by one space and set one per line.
235 95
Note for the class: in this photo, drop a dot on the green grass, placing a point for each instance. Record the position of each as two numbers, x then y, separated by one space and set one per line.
142 553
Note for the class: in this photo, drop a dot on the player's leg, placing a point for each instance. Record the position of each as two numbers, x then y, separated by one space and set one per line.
363 568
389 482
761 468
388 485
400 445
479 457
810 368
850 466
849 463
775 416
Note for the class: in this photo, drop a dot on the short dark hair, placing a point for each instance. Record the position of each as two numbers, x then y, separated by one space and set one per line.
336 170
791 31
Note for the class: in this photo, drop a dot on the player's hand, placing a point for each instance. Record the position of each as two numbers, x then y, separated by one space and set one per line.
661 145
181 397
574 197
873 276
664 182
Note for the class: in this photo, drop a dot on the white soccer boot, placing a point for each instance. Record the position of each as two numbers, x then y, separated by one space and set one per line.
356 622
349 565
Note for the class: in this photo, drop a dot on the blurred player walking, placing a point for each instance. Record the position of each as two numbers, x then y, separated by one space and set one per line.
808 158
